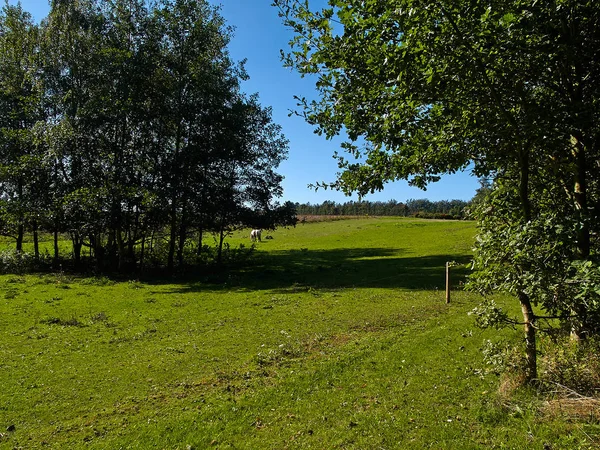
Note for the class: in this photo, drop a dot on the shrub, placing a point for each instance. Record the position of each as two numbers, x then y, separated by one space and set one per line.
12 261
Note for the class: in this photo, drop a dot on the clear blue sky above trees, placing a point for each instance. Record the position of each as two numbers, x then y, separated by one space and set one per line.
259 37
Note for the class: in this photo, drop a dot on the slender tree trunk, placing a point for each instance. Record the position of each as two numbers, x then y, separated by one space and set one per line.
220 251
578 331
173 235
200 209
76 248
120 248
142 253
530 338
96 245
20 235
36 246
21 219
131 247
221 239
581 200
172 238
110 246
526 308
182 233
200 235
56 255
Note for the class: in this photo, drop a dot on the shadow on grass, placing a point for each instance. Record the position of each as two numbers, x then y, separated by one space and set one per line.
297 270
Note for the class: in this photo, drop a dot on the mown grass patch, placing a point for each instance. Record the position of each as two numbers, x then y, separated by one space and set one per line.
347 344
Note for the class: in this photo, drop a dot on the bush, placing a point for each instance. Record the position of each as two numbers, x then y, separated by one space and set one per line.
12 261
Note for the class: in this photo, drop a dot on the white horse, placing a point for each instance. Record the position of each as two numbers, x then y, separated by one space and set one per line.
255 235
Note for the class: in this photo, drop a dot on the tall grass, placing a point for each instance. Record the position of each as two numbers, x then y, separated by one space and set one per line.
335 336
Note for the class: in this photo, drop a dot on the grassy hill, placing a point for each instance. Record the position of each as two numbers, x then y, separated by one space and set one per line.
335 335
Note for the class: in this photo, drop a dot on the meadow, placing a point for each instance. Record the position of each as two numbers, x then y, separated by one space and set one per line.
335 335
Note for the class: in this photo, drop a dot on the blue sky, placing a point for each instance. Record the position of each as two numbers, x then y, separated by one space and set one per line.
259 36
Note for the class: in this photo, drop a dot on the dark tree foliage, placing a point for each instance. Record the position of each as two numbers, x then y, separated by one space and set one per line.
122 125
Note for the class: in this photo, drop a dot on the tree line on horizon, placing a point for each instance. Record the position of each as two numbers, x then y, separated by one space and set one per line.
421 208
123 126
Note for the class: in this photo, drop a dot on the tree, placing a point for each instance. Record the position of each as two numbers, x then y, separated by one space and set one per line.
123 120
22 165
247 184
510 88
72 43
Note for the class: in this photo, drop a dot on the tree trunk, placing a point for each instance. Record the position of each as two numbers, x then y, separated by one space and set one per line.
173 234
530 343
20 234
182 234
96 244
56 255
172 239
581 200
526 309
221 239
142 254
21 219
220 250
36 246
578 330
200 233
110 247
120 249
76 248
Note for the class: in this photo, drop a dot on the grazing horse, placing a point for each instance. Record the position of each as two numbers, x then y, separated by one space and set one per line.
255 235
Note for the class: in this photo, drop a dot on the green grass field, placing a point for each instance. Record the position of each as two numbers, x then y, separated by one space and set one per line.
336 336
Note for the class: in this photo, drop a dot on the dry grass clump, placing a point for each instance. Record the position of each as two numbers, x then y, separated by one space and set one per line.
510 382
573 366
571 406
570 377
569 380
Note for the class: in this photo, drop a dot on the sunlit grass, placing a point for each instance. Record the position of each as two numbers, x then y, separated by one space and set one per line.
336 336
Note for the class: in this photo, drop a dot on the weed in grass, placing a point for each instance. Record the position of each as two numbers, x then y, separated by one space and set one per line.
99 317
61 278
15 280
97 281
72 322
281 355
10 294
297 287
135 284
278 300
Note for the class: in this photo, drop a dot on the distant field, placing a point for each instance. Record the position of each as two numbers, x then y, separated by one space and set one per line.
303 218
336 336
